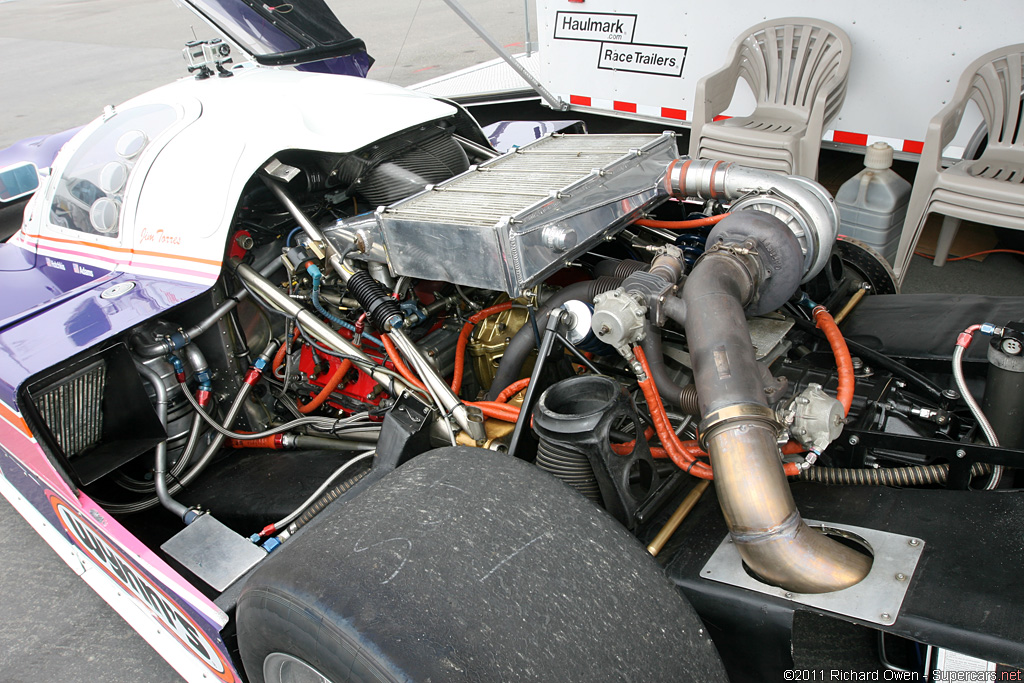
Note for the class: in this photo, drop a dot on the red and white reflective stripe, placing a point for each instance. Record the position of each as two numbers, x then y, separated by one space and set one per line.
846 137
630 108
838 136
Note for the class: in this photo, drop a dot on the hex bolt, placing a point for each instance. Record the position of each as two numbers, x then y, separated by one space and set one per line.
960 453
789 595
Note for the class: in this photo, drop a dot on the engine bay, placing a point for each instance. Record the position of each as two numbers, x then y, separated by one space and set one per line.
634 323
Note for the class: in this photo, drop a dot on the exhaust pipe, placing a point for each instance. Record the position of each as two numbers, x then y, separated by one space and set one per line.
753 264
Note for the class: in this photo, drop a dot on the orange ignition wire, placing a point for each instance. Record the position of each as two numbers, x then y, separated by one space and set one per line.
844 363
400 365
332 384
281 352
500 411
512 389
663 426
467 330
680 225
682 454
626 447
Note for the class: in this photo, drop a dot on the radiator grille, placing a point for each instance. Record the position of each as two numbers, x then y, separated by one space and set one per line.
73 409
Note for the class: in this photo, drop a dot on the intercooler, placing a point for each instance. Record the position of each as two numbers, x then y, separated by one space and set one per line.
512 221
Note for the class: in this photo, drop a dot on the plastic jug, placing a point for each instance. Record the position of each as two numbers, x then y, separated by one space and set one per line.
873 203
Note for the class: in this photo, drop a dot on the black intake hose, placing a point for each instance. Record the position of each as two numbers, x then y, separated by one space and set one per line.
523 342
621 269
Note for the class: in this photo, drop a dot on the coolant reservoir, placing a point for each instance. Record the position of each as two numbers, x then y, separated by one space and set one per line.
873 203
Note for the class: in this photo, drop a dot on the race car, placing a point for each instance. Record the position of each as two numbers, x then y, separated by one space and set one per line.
300 365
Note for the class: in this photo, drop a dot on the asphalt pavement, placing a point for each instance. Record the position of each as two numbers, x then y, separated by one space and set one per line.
64 60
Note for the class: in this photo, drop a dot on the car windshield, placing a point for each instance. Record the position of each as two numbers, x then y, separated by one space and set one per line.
90 194
289 33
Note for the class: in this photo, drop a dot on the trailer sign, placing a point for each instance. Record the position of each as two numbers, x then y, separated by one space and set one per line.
660 60
595 27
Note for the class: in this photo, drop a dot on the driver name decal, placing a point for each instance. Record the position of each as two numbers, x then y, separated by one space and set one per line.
158 236
110 560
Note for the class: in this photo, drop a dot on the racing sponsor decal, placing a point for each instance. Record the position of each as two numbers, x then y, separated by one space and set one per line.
594 26
618 49
129 577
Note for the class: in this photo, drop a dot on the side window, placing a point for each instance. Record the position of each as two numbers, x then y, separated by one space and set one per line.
91 190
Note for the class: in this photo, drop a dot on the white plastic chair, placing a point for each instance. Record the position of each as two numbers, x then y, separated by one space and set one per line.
797 69
988 190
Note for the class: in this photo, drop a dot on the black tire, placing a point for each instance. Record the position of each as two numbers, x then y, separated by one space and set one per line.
469 565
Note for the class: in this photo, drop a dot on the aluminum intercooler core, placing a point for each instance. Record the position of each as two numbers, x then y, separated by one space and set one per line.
510 222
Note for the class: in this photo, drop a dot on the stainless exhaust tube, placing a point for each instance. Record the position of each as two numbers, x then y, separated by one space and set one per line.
316 328
753 262
766 527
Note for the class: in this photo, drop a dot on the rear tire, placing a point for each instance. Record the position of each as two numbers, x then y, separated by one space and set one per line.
468 565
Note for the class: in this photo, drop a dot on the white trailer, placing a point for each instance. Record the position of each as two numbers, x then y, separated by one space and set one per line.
642 59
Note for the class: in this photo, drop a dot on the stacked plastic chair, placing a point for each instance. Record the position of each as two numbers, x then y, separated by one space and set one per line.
797 69
988 190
